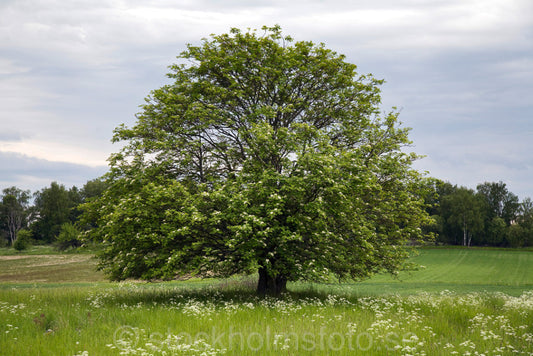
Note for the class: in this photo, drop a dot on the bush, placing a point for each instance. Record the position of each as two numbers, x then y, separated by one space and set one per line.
23 240
517 236
68 237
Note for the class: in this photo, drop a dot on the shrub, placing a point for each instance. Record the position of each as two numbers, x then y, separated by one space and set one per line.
68 237
23 240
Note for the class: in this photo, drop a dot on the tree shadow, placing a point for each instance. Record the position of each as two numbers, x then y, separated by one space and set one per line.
241 289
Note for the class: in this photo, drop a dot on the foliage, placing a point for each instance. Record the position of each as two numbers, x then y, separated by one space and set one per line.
55 205
525 221
68 237
500 202
489 216
93 189
265 155
23 240
14 211
464 211
517 236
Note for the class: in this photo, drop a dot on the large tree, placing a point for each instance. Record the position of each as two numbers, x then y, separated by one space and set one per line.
525 221
463 210
55 205
14 211
263 155
500 201
502 210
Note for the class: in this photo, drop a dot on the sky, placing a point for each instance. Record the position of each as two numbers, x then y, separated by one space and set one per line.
460 72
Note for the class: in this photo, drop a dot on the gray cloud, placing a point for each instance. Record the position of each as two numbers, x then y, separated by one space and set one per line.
33 174
8 135
460 70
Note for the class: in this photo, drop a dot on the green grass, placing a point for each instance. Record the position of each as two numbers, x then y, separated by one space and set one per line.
57 268
461 270
152 319
481 305
32 250
473 266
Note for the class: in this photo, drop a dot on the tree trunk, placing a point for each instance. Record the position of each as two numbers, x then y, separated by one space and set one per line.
270 285
14 224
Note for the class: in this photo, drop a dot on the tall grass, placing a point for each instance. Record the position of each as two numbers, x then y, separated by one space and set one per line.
229 319
428 312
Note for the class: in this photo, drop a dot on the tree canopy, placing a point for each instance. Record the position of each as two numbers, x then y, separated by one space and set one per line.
55 205
489 216
14 211
262 155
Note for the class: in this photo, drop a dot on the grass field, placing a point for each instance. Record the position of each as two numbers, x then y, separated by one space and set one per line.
461 270
464 302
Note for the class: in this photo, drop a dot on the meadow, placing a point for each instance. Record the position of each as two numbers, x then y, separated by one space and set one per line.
462 302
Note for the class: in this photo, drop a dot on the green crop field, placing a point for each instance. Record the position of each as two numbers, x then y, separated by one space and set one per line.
461 270
463 302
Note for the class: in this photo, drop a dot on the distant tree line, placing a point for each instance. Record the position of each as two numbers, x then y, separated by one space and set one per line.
48 216
491 215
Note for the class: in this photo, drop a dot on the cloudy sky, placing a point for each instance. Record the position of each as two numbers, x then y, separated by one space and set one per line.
461 71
